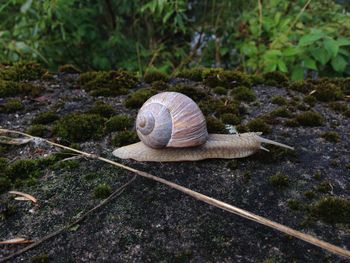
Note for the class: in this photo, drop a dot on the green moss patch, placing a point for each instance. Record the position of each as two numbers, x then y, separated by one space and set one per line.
124 138
310 119
259 125
119 123
22 71
214 125
229 118
23 171
102 191
78 127
301 86
310 194
102 109
332 210
194 93
281 112
68 68
310 100
232 164
328 92
331 136
39 130
218 107
323 187
155 75
338 106
294 204
136 99
107 83
225 78
194 74
243 94
11 89
279 180
45 118
11 105
276 79
220 90
160 85
279 100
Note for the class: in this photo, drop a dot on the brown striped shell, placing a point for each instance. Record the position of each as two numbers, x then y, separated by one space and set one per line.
171 119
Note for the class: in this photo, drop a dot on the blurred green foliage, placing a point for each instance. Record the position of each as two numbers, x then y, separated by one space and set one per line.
295 37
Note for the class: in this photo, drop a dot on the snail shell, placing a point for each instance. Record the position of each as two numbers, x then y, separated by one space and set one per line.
171 119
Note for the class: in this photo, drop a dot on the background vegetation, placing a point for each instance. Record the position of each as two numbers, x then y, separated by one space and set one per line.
297 37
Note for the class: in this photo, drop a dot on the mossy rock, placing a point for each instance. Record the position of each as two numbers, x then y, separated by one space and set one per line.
78 127
102 109
124 138
23 169
42 258
310 119
281 112
276 79
119 122
328 92
279 100
279 180
294 204
331 136
22 71
301 86
324 187
39 130
338 106
229 118
107 83
11 89
218 106
102 191
225 78
291 123
194 74
310 194
11 105
310 100
220 90
259 125
45 118
136 99
194 93
160 85
244 94
214 125
155 75
68 68
5 184
331 210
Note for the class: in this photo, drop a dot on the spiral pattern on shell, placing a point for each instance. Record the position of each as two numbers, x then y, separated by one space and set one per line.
171 119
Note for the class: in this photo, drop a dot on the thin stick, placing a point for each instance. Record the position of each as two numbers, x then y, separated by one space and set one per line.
49 236
211 201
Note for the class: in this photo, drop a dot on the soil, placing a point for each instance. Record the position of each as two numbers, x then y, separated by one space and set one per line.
150 222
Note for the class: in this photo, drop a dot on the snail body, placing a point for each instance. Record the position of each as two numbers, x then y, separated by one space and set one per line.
172 128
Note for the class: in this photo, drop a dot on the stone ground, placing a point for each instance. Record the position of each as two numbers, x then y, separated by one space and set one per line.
150 222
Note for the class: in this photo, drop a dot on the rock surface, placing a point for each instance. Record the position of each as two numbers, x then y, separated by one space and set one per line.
150 222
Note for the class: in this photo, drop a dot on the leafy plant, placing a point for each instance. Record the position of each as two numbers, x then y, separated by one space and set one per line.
295 37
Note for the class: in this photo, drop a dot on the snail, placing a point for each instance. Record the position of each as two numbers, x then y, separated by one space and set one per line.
172 128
